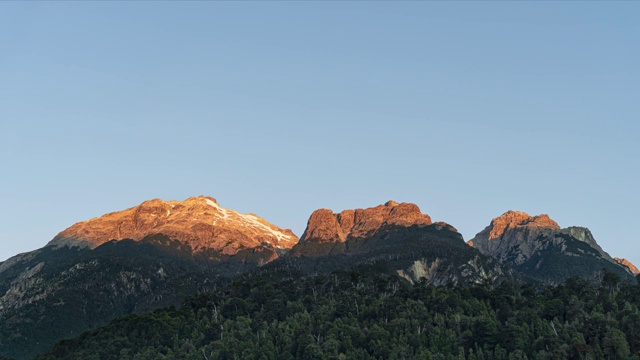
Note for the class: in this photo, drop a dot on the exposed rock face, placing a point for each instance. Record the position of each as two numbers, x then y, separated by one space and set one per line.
26 281
583 234
512 219
440 271
512 233
514 236
421 269
198 221
538 247
624 262
386 237
326 226
432 253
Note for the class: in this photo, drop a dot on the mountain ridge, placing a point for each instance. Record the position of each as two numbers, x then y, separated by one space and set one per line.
134 260
326 226
198 221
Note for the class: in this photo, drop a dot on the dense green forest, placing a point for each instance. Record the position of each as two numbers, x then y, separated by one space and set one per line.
364 314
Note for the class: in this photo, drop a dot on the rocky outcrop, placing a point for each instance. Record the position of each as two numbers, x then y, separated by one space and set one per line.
440 271
515 236
325 226
583 234
20 291
393 238
626 263
513 219
421 269
511 236
538 247
198 222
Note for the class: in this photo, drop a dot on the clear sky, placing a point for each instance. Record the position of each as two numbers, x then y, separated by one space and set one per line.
467 109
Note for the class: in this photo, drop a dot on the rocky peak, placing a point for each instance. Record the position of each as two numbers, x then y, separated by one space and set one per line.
326 226
512 219
626 263
197 221
515 236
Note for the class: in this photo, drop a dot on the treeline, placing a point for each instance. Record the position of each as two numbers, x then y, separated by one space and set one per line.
358 316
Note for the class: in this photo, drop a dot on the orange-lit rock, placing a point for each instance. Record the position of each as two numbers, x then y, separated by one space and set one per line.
624 262
512 219
326 226
198 221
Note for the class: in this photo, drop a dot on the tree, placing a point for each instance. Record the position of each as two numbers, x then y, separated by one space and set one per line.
615 345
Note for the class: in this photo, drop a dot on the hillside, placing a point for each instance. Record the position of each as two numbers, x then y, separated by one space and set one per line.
368 315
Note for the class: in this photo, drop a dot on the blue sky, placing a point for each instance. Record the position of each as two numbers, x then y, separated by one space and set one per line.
467 109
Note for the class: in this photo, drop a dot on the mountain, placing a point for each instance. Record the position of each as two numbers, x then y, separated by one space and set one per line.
159 253
198 222
392 238
538 247
325 226
149 256
357 286
626 263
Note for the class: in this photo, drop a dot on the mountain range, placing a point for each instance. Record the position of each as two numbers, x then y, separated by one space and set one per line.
159 253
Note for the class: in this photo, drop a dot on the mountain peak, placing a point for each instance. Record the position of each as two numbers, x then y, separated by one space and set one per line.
536 245
198 221
326 226
512 219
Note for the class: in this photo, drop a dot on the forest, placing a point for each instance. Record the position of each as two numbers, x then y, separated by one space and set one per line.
365 314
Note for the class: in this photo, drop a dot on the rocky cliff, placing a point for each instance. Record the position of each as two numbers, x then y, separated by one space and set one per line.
538 247
197 221
326 226
395 238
